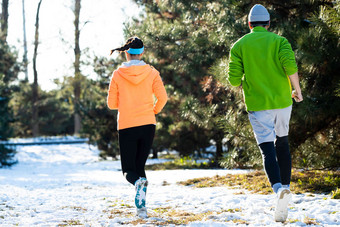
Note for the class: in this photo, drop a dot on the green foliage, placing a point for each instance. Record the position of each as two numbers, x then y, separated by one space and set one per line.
336 194
315 181
321 150
7 156
8 73
55 112
189 42
315 122
99 123
187 138
183 39
181 163
242 148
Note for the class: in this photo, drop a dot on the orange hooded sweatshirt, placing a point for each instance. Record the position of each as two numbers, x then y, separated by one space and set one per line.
131 92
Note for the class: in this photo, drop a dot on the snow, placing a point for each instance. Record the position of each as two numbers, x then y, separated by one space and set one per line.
67 184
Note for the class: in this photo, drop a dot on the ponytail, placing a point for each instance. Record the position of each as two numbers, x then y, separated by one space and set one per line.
133 42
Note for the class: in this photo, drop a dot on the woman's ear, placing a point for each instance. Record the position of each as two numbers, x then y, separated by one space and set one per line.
127 56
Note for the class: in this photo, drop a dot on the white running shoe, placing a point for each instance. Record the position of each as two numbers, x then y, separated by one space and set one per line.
281 210
142 213
141 186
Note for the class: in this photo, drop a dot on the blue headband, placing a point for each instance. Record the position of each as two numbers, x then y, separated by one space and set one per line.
135 51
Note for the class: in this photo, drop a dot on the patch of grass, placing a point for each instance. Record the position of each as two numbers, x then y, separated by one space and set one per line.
164 216
183 218
9 207
77 208
315 181
118 208
336 194
254 181
161 210
234 210
302 182
70 222
119 213
135 222
126 205
292 220
310 221
181 163
165 183
168 155
240 221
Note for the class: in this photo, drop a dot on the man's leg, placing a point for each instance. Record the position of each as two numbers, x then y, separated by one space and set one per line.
263 123
282 117
270 165
284 159
281 143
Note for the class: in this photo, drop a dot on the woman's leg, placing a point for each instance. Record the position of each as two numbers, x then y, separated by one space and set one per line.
145 141
128 140
263 123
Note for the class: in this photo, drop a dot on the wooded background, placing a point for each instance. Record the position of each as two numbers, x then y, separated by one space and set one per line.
189 43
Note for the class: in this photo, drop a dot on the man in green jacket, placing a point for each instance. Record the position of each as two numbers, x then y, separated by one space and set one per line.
263 63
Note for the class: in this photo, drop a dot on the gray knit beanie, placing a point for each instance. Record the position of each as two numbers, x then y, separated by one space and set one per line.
258 13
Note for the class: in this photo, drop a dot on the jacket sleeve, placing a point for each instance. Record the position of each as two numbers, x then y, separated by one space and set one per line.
235 69
160 93
112 97
287 57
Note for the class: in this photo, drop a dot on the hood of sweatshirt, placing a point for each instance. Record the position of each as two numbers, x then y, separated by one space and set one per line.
135 73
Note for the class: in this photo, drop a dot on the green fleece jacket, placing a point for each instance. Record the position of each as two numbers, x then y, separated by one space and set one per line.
261 62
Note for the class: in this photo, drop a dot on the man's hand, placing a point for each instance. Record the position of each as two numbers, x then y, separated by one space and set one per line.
297 96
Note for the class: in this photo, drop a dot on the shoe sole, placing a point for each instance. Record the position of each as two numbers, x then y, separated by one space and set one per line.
140 204
281 211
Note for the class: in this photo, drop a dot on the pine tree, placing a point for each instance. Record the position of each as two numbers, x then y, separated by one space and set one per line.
99 123
318 116
8 73
183 40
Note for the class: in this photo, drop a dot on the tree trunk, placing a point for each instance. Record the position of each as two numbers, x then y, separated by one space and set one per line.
35 97
4 20
219 150
154 153
77 76
219 147
25 41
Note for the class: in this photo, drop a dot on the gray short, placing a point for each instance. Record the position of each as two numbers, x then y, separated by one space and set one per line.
267 124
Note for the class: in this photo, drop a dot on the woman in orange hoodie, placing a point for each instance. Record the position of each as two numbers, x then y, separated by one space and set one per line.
132 89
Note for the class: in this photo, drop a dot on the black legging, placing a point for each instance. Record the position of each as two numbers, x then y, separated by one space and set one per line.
277 160
135 144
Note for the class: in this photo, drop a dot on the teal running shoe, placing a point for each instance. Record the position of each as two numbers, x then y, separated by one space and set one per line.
141 186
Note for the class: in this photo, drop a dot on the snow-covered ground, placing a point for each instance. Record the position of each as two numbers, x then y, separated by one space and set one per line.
63 185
